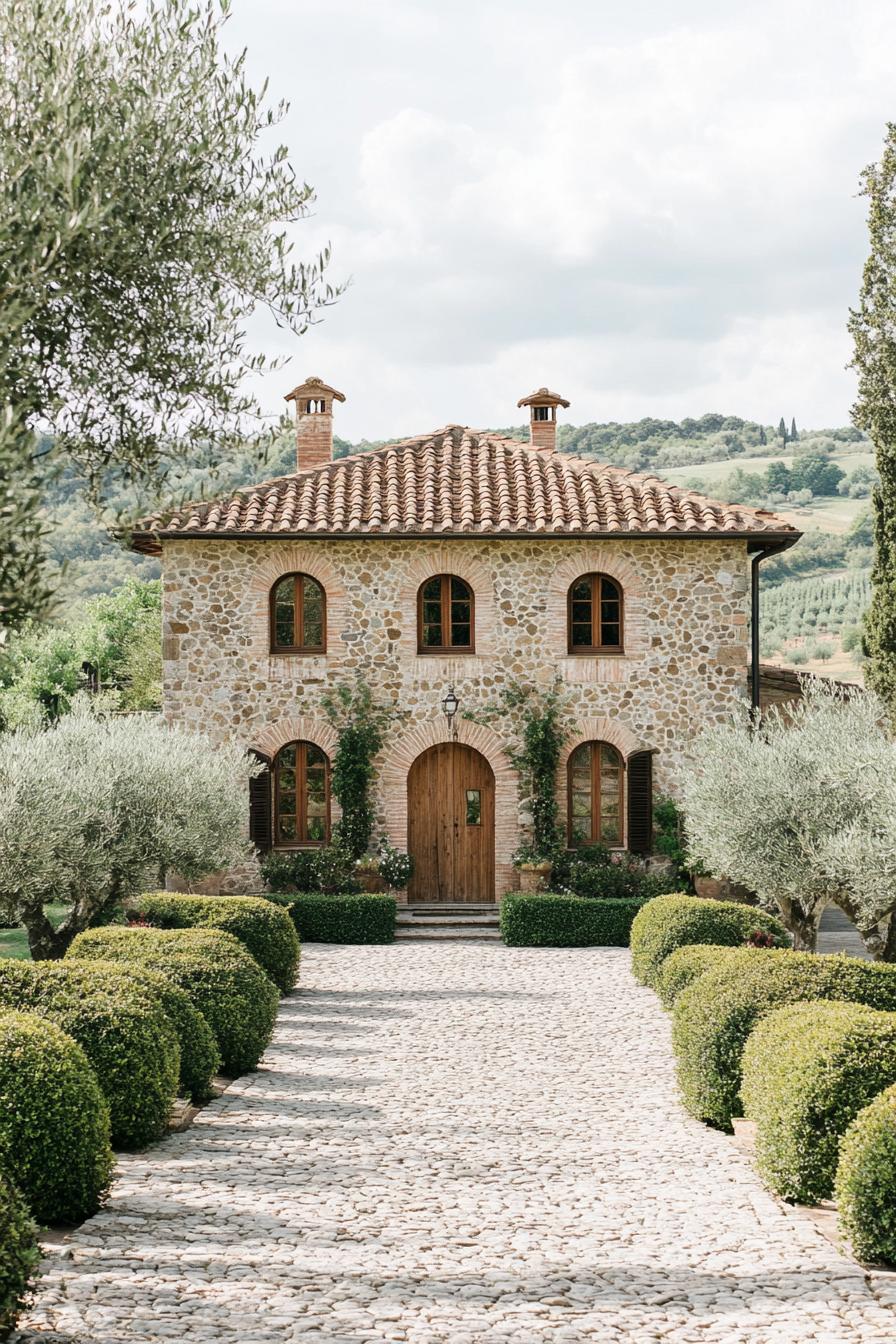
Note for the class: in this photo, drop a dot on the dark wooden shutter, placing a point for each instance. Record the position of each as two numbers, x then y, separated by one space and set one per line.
260 819
640 802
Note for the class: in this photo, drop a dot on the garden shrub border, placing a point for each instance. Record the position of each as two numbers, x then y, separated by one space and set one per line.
715 1014
54 1120
19 1255
344 917
552 919
226 984
808 1069
266 931
679 920
129 1040
865 1185
683 966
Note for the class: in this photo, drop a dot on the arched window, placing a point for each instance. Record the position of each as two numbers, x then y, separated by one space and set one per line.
301 774
594 612
298 615
445 616
596 793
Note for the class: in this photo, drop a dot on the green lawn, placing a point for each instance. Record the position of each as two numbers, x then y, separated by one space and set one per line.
14 942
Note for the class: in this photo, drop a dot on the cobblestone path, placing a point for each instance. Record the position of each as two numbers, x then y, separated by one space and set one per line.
453 1143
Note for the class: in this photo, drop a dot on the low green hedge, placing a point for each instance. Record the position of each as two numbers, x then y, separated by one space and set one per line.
716 1013
19 1255
200 1058
265 930
130 1042
233 994
668 922
349 917
54 1120
545 919
683 966
808 1070
865 1187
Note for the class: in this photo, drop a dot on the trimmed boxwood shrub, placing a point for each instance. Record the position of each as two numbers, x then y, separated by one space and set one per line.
808 1070
265 930
865 1188
716 1013
125 1033
669 922
684 965
545 919
349 917
19 1255
223 981
54 1120
200 1058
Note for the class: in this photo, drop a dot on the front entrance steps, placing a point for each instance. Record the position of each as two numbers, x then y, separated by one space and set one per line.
456 923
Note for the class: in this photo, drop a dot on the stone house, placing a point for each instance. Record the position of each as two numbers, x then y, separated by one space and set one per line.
457 561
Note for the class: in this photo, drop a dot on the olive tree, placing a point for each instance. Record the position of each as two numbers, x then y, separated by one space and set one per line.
801 808
93 809
143 220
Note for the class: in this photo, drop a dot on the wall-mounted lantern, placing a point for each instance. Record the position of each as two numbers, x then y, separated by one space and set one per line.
450 706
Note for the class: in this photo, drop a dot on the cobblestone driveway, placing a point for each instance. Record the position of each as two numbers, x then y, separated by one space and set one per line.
454 1143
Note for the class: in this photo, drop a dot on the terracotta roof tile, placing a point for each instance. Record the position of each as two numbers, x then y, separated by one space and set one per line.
459 481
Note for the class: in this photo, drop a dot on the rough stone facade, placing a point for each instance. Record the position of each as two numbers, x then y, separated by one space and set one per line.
686 628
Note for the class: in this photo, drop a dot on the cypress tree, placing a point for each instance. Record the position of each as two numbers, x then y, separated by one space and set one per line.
762 435
794 437
782 430
873 328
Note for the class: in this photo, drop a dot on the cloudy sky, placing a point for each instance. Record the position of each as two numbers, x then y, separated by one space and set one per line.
650 207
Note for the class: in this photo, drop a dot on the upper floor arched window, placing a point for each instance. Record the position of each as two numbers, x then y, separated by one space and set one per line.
594 615
596 795
301 783
298 615
445 615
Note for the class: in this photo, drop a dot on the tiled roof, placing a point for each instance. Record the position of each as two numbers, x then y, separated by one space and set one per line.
458 481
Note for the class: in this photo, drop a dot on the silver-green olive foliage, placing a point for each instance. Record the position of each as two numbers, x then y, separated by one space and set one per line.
145 215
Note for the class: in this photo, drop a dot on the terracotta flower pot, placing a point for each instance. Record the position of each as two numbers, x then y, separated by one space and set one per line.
370 880
535 876
722 889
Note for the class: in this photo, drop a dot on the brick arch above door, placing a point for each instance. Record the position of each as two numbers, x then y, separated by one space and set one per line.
392 786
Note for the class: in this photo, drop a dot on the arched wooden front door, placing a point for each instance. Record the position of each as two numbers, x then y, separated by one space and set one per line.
451 825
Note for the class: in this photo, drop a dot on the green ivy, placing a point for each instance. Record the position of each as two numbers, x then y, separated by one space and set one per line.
361 726
537 716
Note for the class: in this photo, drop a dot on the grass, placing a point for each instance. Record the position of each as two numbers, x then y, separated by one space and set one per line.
14 942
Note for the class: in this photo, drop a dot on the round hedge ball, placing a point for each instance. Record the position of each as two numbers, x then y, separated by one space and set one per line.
54 1120
19 1255
865 1188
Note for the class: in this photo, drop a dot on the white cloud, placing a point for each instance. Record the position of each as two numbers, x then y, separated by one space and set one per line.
653 210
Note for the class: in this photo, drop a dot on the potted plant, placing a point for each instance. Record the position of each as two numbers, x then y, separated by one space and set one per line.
534 868
367 872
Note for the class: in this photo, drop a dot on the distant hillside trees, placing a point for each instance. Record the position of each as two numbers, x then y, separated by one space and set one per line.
873 329
143 219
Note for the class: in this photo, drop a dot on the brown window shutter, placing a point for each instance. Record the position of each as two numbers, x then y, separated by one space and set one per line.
260 827
640 802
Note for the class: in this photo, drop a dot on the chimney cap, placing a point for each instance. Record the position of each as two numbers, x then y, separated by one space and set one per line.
313 387
542 396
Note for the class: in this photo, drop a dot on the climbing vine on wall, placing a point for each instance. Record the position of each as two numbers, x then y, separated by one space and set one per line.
536 717
361 726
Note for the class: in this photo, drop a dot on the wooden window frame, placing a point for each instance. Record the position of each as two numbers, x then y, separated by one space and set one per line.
593 650
595 797
445 617
301 770
298 616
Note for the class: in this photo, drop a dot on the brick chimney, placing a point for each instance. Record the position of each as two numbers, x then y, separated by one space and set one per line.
543 417
314 422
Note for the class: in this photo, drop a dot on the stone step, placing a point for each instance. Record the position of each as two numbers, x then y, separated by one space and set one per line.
457 933
443 921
